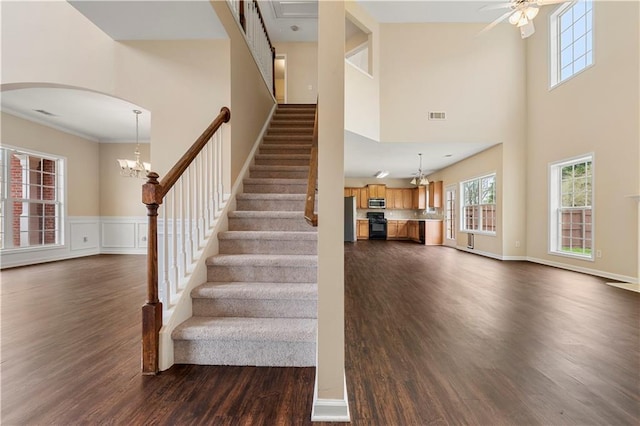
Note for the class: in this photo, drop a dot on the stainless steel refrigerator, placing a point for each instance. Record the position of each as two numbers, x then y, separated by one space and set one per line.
350 219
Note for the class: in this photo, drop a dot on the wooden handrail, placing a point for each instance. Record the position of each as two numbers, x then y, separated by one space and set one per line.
153 193
312 182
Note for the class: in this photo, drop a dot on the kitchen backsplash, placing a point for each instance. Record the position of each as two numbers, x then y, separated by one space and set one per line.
403 214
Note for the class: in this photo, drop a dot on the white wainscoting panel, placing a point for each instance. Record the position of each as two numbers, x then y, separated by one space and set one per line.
123 235
83 234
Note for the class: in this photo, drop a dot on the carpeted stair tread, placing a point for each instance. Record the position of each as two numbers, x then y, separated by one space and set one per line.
248 329
266 260
256 290
268 235
270 196
277 181
259 214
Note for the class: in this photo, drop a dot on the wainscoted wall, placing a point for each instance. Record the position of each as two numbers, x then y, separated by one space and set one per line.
87 236
123 235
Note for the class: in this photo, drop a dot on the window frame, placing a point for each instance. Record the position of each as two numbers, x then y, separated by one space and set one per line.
555 72
463 203
6 201
555 207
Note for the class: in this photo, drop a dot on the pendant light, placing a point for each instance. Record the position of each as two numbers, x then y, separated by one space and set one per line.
135 168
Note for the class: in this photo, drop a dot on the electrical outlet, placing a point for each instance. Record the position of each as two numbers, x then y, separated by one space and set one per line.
310 87
517 244
85 239
598 253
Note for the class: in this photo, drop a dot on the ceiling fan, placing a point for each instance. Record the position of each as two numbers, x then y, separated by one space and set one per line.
520 14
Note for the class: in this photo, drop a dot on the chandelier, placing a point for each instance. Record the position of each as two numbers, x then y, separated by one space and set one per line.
135 168
420 179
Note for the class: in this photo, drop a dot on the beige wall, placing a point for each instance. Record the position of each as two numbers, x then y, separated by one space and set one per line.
477 80
302 71
483 163
480 82
51 42
362 91
330 368
182 83
120 196
596 111
251 98
82 160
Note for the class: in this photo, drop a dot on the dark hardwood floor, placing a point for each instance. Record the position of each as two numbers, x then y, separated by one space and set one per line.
434 336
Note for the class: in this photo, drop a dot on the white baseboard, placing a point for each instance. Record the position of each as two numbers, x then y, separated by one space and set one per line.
330 410
596 272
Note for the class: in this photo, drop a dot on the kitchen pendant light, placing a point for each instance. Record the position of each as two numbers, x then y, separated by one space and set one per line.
135 168
420 179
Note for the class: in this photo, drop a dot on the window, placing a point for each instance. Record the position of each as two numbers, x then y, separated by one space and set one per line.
571 38
479 204
571 207
450 213
31 213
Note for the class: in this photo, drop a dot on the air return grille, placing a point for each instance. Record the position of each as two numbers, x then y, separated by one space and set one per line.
437 115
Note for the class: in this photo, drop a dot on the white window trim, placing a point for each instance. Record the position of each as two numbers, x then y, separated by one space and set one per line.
554 42
62 174
461 206
553 191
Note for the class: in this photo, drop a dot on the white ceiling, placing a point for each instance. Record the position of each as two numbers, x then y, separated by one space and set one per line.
364 157
91 115
106 119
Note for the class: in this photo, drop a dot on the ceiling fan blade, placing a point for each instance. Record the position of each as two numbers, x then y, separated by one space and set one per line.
496 6
548 2
496 22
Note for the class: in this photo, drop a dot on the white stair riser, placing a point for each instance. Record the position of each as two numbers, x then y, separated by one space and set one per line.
251 273
262 354
259 246
269 224
256 308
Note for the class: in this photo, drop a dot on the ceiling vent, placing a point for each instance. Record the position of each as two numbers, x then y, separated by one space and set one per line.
437 115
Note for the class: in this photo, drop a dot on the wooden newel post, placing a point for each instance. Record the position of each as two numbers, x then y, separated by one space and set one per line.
152 310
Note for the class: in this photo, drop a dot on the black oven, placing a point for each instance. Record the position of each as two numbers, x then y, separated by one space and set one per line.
377 226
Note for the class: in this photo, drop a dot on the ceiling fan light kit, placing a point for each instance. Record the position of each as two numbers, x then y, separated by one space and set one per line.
521 14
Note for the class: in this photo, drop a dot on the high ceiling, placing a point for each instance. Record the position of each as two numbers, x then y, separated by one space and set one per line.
107 119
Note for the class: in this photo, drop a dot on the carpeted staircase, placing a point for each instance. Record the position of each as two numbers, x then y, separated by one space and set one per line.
259 305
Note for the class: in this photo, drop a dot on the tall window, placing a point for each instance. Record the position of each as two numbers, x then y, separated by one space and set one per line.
571 28
450 213
479 204
30 199
571 207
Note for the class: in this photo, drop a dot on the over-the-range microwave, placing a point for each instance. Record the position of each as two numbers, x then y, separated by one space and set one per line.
377 203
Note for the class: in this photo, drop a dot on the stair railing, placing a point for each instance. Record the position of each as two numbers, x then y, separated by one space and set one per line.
192 197
312 182
249 16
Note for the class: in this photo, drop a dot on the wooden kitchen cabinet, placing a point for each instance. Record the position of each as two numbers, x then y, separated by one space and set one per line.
403 230
392 229
363 200
433 232
419 201
435 194
362 231
377 191
407 198
413 229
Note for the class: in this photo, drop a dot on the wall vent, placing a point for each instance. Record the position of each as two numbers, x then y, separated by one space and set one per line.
437 115
470 241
